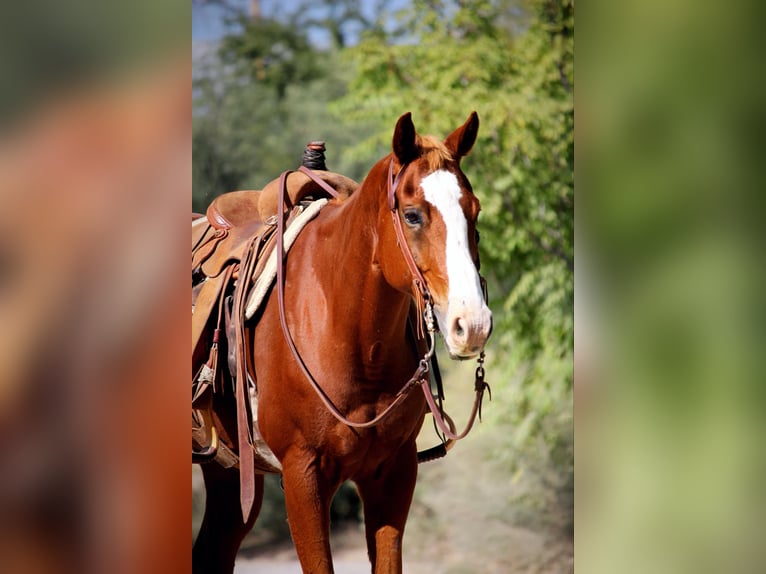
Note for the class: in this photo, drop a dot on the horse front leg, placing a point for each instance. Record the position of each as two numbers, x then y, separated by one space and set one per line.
308 493
387 496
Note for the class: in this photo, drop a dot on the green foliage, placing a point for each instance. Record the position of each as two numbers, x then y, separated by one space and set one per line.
272 53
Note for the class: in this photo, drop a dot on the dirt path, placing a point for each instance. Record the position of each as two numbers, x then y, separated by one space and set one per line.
269 566
349 557
342 566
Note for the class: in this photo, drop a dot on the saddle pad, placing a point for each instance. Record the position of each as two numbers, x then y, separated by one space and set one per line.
266 278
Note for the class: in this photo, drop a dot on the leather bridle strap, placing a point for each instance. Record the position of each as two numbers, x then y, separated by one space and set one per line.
419 375
420 291
439 415
319 181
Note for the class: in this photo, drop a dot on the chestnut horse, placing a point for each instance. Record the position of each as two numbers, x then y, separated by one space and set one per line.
347 294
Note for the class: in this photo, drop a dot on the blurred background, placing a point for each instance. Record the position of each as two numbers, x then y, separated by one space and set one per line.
670 283
270 76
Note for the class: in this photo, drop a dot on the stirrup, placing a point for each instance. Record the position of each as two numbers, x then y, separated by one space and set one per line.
208 453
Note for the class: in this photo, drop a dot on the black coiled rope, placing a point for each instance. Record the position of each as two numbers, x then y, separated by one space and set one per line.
313 155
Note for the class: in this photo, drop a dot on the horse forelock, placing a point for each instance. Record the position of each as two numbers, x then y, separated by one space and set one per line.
434 152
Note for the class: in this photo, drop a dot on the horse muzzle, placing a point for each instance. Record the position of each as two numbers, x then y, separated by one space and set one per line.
466 331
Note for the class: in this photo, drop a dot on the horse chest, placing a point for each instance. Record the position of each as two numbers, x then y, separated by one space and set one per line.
373 364
362 452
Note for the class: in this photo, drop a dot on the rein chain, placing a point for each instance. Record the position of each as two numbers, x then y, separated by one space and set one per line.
426 323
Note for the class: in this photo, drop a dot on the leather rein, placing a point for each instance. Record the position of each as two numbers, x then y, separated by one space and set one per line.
426 323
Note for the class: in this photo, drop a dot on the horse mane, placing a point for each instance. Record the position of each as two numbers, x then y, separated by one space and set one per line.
434 152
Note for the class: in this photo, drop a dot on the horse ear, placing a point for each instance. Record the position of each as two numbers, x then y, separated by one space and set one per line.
405 142
462 139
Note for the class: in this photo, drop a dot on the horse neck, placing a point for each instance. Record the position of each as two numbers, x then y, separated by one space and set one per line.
353 232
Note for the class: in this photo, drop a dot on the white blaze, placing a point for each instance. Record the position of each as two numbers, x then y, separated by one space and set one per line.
442 190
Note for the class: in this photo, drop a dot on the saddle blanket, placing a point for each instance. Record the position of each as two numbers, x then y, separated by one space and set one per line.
266 278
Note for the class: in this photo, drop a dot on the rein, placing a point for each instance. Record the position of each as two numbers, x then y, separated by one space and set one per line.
426 323
420 372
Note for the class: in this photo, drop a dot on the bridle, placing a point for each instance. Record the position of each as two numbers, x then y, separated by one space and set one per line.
423 299
424 303
426 323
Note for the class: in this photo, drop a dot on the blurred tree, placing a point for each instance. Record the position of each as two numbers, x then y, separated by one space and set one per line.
343 20
271 53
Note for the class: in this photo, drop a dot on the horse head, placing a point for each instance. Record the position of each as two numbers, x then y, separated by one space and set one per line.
438 209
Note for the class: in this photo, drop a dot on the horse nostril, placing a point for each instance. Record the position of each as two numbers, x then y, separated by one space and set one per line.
458 327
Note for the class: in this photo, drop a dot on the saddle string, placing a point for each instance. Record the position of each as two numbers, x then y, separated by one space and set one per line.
319 181
202 392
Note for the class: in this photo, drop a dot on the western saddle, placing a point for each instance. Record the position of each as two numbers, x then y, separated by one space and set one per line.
229 247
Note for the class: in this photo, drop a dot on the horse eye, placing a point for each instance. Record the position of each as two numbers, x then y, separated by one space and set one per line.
478 236
413 217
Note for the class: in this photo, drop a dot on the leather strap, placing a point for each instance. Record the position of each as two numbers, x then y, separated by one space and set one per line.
204 306
418 376
205 379
419 287
393 184
439 415
318 180
206 248
204 236
244 416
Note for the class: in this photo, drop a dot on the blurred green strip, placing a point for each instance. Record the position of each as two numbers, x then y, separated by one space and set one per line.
670 120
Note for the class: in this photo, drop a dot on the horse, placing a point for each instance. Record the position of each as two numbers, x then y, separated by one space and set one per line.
336 408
